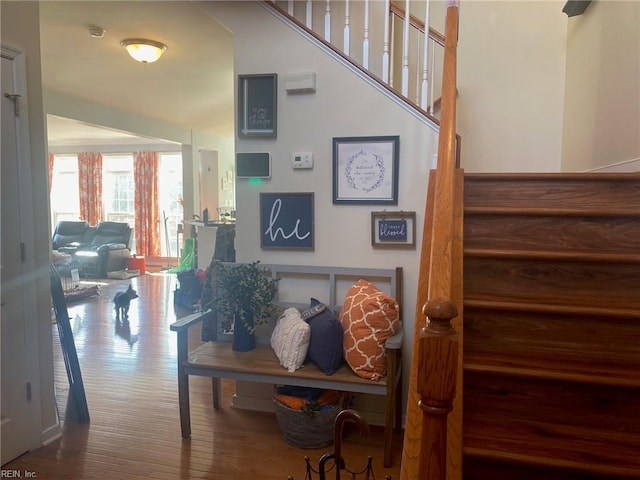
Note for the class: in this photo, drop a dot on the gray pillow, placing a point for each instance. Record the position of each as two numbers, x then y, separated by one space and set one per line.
325 345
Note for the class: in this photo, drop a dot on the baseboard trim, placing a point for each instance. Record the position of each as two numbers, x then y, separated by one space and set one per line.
626 166
51 434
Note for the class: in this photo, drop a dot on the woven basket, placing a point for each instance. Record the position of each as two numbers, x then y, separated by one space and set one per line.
307 431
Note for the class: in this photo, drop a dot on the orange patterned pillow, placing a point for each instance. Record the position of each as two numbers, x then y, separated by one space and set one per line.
369 316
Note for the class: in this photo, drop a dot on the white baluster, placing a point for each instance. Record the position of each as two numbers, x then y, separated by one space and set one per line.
365 42
385 48
309 16
290 7
425 60
346 28
417 64
327 22
392 55
433 65
405 50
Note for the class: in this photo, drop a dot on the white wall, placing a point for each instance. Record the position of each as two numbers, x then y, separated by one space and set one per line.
602 100
543 92
511 73
21 30
343 105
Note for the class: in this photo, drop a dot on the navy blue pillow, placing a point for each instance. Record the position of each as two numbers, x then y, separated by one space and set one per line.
325 345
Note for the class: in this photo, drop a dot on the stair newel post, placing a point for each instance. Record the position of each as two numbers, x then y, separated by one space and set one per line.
438 357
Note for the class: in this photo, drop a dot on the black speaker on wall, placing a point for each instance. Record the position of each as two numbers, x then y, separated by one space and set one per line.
575 7
253 165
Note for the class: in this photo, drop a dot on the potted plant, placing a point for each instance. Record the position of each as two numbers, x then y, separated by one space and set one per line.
244 294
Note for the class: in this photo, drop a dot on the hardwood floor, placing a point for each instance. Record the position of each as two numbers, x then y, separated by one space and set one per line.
131 389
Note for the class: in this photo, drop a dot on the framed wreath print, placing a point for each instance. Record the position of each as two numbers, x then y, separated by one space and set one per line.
365 170
257 105
393 229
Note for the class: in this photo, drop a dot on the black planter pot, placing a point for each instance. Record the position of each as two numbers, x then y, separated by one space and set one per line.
243 340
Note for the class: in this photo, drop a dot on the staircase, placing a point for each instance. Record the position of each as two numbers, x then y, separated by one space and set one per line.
551 310
552 326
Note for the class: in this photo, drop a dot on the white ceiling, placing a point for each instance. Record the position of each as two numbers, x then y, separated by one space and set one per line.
191 86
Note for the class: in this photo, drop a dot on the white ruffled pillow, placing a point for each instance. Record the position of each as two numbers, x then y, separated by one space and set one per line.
290 339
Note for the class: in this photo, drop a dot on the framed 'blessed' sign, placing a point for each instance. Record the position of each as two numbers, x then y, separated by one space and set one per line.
286 220
393 229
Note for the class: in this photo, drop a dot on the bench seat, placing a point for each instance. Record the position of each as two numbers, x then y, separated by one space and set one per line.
217 359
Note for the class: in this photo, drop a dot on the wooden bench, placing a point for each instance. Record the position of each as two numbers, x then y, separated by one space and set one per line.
297 284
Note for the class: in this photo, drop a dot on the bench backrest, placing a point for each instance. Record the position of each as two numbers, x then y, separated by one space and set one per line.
298 283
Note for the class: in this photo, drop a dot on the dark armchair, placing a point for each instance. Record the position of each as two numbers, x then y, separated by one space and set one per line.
70 235
107 252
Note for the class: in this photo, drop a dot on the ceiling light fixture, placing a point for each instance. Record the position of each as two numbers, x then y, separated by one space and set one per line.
145 51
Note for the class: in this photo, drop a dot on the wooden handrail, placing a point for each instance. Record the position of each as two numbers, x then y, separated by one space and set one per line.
418 24
436 361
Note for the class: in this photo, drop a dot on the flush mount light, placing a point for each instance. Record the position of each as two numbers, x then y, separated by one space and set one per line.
145 51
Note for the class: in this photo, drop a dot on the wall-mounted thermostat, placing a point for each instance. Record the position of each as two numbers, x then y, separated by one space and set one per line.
302 160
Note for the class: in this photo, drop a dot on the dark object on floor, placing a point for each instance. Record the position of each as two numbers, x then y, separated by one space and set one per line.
189 291
122 301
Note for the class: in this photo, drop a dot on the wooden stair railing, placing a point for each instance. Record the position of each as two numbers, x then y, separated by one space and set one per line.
432 446
382 78
285 10
427 97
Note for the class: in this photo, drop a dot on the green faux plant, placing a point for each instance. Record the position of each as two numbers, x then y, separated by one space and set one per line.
245 291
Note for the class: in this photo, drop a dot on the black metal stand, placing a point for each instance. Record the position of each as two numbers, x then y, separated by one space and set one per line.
77 400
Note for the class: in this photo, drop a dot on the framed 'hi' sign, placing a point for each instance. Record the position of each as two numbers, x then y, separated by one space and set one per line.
286 220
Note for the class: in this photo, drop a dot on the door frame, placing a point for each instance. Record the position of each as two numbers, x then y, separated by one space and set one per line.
32 330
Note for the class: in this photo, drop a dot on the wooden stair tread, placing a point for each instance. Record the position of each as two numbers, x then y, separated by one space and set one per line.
588 211
616 311
560 368
572 255
546 176
544 444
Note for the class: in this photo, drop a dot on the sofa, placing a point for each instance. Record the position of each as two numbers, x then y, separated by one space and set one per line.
95 250
69 235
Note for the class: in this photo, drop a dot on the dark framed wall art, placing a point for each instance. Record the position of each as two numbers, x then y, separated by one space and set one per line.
286 221
365 170
257 105
393 229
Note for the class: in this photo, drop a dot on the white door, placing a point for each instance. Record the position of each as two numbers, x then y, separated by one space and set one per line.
15 421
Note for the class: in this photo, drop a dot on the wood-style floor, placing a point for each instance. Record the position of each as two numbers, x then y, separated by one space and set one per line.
131 389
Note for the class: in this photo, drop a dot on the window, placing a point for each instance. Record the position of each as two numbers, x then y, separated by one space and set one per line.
65 193
118 203
170 202
118 191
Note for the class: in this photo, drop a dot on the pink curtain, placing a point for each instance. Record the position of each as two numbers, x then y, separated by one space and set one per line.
90 182
51 159
147 225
